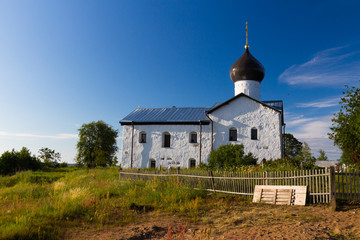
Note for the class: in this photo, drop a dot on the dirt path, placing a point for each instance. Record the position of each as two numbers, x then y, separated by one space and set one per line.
236 221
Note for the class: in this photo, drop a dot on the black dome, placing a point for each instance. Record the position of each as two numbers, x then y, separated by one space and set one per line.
247 68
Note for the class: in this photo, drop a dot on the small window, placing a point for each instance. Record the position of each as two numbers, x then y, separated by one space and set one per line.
166 140
142 138
254 134
152 163
192 163
232 134
193 137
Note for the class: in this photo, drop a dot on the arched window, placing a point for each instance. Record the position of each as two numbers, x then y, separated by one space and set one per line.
193 137
192 163
254 134
166 140
142 137
152 163
232 134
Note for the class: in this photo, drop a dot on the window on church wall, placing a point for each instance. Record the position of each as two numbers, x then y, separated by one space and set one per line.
166 140
152 163
232 134
193 137
254 134
142 137
192 163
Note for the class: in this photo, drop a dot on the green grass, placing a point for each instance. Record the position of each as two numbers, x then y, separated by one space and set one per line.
38 205
350 184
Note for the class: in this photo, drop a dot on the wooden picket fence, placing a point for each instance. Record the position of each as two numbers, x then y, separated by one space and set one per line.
320 182
348 183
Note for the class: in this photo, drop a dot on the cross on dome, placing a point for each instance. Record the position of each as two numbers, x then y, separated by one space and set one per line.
247 67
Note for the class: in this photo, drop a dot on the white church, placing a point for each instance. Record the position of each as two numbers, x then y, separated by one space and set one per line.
184 137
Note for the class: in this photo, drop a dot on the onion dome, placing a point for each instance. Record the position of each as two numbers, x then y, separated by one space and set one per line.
247 68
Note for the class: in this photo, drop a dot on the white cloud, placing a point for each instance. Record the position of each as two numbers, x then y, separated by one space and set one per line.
293 119
325 103
314 131
331 67
30 135
296 122
316 128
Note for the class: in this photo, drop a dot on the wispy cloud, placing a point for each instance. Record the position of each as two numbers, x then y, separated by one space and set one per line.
325 103
293 119
331 67
316 128
296 122
30 135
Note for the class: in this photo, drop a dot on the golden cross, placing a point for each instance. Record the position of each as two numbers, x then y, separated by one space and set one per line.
247 44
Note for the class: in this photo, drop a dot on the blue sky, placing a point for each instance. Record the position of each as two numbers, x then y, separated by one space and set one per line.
65 63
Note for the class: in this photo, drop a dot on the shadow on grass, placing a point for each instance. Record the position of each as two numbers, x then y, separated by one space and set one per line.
344 205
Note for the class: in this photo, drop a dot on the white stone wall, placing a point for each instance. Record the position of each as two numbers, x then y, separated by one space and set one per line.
243 114
179 153
248 87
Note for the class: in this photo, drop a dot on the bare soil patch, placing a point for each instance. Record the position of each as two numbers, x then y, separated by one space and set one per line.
233 219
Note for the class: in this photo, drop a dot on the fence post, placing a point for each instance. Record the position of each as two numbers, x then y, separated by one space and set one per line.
332 188
178 173
266 175
212 180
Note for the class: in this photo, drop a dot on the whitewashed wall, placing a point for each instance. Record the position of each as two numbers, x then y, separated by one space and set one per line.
179 153
243 114
248 87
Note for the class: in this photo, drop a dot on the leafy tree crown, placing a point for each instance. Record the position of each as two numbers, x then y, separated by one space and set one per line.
97 144
345 129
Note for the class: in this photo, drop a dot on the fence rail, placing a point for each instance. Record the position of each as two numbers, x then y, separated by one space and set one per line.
348 183
318 181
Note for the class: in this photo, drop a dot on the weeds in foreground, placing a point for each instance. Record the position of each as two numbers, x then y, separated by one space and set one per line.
203 233
178 234
32 208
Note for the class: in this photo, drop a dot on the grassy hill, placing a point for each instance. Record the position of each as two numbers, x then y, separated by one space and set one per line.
39 205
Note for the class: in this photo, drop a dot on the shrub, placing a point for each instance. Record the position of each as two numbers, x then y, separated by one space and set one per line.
230 156
281 164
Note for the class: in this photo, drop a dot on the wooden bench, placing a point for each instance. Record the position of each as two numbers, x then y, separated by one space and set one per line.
290 195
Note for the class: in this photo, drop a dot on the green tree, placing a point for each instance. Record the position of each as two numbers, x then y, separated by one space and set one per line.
230 156
344 159
322 156
345 128
16 161
292 146
305 158
114 161
96 145
49 157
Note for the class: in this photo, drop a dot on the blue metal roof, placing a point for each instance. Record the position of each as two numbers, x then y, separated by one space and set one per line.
277 104
166 115
174 115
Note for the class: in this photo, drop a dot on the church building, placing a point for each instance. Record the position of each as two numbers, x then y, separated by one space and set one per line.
184 137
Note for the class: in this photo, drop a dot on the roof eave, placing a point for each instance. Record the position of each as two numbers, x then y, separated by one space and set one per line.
202 122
